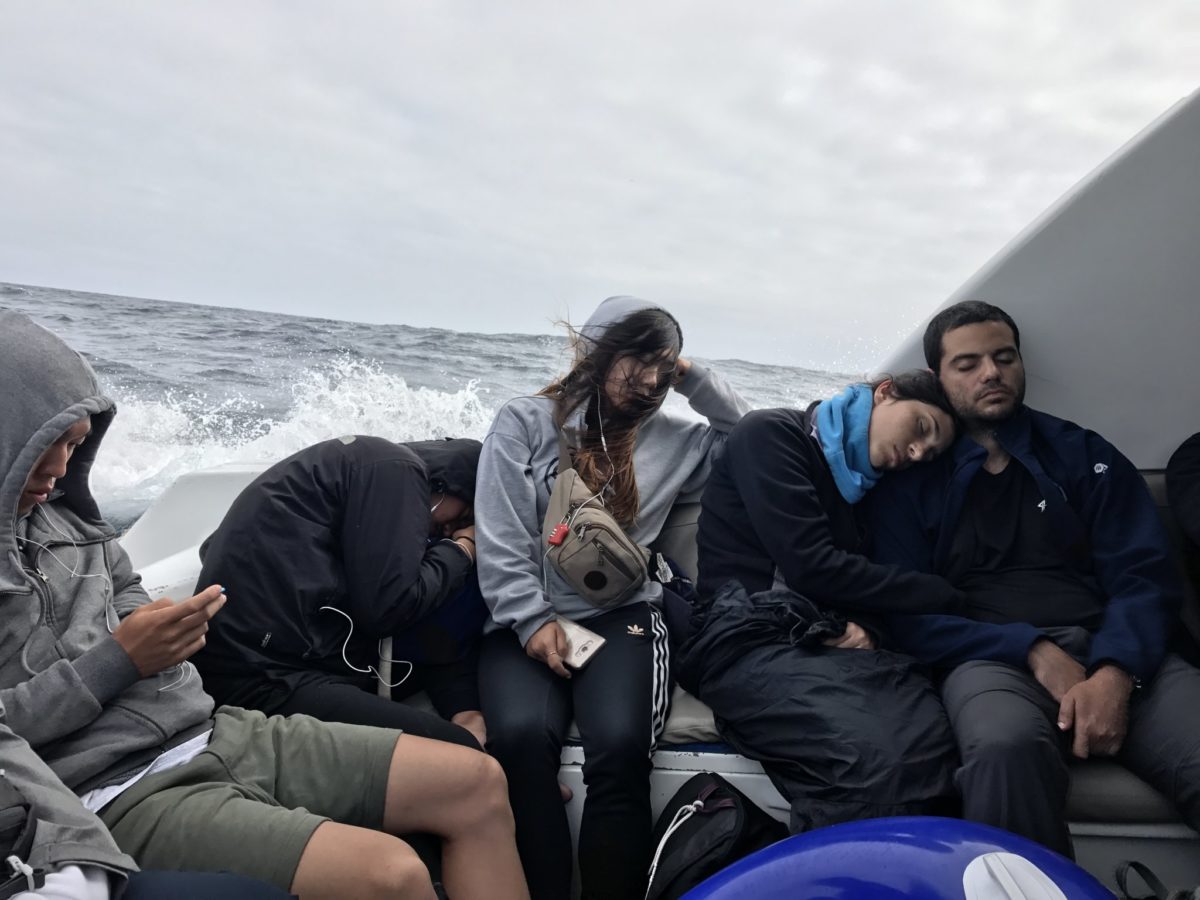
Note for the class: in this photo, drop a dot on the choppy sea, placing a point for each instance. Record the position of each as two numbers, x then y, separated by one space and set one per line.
199 386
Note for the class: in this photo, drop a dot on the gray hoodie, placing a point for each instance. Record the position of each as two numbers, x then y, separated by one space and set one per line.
66 686
518 466
66 834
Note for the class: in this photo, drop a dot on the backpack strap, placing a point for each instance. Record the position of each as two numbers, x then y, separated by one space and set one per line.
1121 876
564 453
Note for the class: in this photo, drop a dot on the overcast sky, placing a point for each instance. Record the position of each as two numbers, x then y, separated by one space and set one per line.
800 182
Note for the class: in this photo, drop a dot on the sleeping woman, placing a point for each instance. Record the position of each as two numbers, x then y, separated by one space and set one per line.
636 459
786 648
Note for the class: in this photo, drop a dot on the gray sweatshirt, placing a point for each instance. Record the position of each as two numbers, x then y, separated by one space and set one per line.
67 687
517 469
66 833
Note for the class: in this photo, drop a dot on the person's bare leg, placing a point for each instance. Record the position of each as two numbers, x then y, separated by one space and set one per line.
460 795
341 862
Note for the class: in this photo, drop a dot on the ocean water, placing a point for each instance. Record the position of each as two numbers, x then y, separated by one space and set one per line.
199 386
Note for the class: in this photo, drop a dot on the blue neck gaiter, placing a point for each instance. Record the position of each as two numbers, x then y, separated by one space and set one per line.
843 422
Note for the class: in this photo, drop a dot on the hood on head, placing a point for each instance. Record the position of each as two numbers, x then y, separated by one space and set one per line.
48 387
451 464
608 314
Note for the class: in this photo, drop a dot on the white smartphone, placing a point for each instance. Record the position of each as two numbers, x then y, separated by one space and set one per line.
582 643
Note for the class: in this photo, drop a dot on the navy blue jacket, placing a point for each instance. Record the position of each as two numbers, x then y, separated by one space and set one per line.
1107 527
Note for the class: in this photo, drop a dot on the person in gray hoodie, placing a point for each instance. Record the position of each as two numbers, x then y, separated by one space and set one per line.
66 853
94 677
639 459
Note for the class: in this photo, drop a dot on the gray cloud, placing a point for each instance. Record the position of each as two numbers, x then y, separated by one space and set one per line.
801 183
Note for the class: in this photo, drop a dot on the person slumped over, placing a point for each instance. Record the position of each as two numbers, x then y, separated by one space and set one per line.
1070 593
786 648
93 679
329 551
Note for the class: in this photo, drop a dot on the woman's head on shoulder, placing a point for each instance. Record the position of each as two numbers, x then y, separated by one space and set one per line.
627 352
911 420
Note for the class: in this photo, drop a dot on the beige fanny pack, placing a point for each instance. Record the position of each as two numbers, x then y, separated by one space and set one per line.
585 544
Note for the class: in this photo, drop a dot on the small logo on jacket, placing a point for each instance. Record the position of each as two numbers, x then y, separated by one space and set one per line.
1042 506
637 630
1100 468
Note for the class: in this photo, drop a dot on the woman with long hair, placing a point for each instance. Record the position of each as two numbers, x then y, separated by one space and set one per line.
789 648
637 459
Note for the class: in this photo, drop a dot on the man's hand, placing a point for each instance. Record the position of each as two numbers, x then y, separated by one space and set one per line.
472 720
855 637
1098 710
163 634
1054 668
549 645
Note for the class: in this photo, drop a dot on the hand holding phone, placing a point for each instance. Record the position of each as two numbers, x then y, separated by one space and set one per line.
582 643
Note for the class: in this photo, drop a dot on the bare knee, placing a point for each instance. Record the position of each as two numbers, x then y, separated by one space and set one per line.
485 794
346 861
398 873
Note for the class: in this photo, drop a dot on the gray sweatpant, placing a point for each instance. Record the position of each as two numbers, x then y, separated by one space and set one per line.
1014 771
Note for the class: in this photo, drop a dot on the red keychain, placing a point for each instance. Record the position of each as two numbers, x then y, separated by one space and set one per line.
558 535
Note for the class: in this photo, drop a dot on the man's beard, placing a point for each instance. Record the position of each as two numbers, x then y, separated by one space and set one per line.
994 414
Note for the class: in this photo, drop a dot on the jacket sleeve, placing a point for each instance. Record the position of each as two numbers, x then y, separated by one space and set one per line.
77 689
771 464
713 397
947 641
128 593
509 531
1183 487
1133 564
899 538
394 576
66 833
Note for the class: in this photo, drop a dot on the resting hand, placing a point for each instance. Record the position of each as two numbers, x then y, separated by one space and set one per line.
1098 710
549 645
163 634
465 538
682 367
855 637
1055 669
472 720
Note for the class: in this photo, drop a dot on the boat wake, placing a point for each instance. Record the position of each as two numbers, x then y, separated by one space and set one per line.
154 441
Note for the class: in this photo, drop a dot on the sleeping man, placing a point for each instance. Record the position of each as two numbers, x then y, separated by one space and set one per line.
1070 594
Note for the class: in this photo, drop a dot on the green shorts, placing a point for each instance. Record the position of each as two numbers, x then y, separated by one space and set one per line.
251 801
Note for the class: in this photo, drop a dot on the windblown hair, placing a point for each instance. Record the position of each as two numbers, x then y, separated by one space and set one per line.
919 384
603 450
968 312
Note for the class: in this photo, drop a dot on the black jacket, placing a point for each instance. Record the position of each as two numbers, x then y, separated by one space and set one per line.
1183 488
343 524
771 504
843 734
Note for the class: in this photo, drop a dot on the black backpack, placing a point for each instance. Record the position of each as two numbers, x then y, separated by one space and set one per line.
705 827
17 827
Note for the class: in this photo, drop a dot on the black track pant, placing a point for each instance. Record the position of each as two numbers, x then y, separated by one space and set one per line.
619 701
337 701
1014 771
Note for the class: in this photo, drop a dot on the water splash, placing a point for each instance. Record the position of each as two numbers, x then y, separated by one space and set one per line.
153 442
